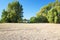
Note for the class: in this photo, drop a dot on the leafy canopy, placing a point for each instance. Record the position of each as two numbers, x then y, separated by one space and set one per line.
49 13
13 13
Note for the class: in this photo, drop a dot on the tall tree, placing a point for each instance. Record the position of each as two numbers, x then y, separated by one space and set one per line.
13 13
49 13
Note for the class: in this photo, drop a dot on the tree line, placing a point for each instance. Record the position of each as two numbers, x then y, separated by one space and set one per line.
48 14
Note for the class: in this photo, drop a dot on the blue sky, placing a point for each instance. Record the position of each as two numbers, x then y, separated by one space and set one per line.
30 7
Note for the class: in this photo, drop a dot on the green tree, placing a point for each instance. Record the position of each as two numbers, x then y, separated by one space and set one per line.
4 16
33 20
54 15
41 19
13 14
49 13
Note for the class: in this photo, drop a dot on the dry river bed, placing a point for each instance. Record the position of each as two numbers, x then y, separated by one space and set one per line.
22 31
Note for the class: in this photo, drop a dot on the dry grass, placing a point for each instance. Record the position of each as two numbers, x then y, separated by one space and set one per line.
20 31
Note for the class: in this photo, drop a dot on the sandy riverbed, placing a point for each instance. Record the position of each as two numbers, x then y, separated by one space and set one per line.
20 31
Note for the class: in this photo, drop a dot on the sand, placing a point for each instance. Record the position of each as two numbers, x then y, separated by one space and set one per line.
20 31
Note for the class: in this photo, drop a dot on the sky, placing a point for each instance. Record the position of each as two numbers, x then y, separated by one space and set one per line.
30 7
